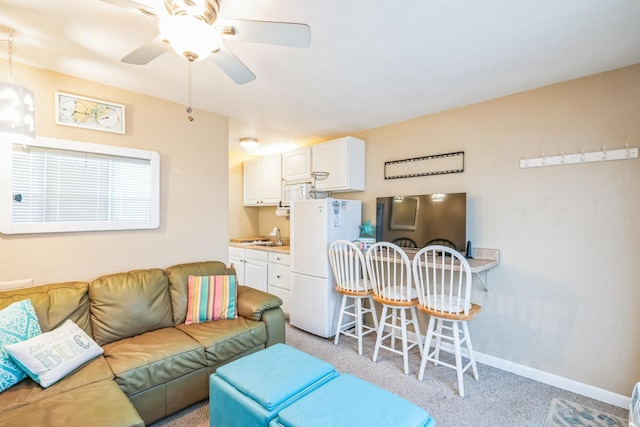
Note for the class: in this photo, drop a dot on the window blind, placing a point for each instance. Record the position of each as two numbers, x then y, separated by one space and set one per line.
82 190
51 185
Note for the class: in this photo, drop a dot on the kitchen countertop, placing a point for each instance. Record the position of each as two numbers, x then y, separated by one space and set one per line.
281 249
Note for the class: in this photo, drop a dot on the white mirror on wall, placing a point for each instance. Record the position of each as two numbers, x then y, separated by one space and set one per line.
404 213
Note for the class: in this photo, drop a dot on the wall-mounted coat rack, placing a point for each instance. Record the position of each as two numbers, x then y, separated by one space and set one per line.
581 157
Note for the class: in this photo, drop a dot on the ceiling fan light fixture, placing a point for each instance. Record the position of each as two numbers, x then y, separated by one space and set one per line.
249 143
189 36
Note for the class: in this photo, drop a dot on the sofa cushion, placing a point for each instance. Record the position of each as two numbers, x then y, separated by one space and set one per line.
55 303
144 361
212 298
49 357
178 278
99 404
223 340
28 391
128 304
18 323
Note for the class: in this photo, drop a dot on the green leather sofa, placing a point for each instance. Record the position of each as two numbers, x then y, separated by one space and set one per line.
153 364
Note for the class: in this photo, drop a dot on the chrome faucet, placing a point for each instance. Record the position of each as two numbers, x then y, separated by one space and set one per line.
276 233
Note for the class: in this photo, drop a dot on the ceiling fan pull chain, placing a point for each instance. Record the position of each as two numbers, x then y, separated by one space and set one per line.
189 110
10 56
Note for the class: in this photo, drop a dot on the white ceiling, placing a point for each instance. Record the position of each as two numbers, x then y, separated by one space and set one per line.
370 63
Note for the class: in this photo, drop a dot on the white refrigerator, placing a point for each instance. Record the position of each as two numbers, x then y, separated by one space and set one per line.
315 223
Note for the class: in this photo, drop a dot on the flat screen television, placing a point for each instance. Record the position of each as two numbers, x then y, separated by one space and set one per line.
415 220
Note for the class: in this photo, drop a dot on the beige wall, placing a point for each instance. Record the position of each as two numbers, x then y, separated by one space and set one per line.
243 221
194 188
565 297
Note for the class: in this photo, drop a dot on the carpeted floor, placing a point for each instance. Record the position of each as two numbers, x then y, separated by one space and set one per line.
498 399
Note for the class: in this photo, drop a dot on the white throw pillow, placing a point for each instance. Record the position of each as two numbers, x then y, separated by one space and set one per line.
49 357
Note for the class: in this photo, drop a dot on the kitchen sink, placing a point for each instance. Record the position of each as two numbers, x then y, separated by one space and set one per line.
262 243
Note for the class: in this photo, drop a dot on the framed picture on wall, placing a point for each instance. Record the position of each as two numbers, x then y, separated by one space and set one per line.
88 113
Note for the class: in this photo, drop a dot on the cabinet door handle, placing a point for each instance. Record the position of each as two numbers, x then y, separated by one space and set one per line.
278 276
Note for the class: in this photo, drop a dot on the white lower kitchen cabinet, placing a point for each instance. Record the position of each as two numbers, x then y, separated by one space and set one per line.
280 279
251 267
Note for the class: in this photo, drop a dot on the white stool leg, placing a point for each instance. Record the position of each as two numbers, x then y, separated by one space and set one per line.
416 329
427 346
472 358
372 307
380 332
358 313
456 344
394 321
405 351
438 334
340 319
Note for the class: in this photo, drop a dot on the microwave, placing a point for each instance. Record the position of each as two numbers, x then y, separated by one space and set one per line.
292 192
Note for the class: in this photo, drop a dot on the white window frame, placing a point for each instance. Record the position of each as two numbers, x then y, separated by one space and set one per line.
7 226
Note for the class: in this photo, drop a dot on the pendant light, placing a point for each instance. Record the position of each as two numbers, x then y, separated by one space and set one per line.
17 110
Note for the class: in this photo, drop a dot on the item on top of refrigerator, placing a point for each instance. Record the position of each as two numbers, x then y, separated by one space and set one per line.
364 242
368 230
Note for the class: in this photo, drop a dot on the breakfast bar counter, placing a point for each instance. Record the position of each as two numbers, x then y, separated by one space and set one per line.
483 260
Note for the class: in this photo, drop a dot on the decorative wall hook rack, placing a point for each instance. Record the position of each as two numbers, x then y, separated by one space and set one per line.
436 164
581 157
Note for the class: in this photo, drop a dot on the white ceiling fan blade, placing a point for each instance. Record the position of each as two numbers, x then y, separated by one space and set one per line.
147 52
232 66
278 33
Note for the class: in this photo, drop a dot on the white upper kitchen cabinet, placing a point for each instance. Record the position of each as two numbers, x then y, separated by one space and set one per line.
262 181
343 158
296 166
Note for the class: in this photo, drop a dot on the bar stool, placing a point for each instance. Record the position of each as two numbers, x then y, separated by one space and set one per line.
446 297
350 272
389 271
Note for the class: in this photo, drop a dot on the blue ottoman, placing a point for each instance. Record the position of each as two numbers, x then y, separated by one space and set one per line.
252 390
348 401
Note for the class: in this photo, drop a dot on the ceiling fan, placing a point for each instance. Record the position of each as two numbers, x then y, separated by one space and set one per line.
194 30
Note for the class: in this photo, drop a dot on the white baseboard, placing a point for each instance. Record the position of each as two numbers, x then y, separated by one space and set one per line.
555 380
547 378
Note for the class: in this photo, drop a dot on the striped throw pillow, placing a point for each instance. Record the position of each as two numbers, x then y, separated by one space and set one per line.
211 298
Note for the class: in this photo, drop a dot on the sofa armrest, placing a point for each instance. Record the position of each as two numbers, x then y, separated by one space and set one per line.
261 306
252 302
274 319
